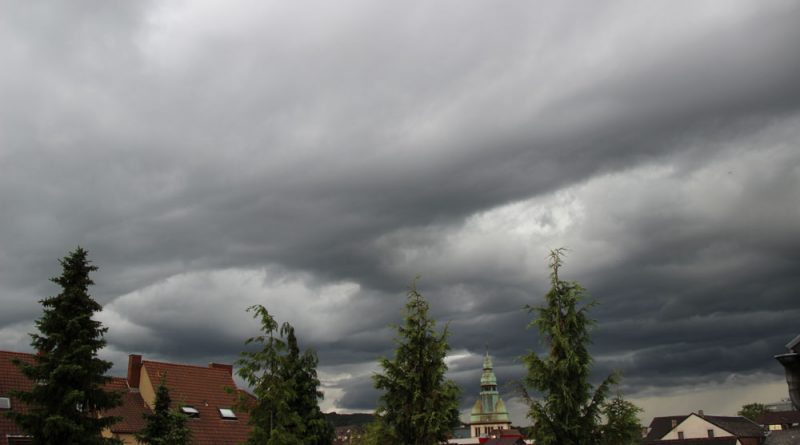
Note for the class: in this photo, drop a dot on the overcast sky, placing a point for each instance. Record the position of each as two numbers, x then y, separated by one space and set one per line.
314 157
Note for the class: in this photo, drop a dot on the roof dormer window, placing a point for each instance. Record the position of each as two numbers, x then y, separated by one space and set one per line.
190 411
227 414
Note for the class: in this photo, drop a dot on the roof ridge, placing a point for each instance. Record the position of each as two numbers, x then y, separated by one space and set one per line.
18 353
184 365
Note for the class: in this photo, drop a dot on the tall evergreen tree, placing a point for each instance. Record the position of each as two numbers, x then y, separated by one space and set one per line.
165 426
569 413
64 406
285 384
271 418
300 373
419 405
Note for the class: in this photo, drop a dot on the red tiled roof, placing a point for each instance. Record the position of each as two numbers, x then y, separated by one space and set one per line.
11 379
207 390
131 411
779 418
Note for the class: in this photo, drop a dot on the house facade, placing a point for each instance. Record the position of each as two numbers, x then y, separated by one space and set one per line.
697 428
208 395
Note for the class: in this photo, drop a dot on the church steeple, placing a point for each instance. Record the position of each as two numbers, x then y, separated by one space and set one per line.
489 412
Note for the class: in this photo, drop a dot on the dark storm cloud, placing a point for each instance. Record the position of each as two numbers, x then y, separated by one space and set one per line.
212 158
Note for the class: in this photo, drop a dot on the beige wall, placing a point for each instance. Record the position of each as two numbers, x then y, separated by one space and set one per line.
127 439
486 427
146 389
695 427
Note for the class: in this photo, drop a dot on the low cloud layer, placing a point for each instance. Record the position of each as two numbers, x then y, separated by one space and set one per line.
315 158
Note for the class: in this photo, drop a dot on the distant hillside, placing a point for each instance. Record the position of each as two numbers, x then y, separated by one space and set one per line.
349 419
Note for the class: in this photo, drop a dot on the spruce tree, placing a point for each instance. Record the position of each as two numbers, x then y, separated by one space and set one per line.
419 405
66 404
569 413
300 374
165 426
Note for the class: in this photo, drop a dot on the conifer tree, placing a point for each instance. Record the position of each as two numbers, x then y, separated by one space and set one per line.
65 405
419 405
569 413
165 426
271 418
300 373
285 384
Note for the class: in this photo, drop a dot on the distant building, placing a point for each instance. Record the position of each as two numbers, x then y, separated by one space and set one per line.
701 429
779 420
489 412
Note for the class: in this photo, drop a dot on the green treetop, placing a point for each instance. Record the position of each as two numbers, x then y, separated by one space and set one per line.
65 405
569 412
419 405
286 388
300 374
622 423
164 426
752 410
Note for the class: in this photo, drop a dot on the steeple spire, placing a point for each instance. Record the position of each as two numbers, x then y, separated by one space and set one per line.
489 411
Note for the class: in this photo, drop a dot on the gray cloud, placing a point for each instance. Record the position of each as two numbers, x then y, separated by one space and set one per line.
315 158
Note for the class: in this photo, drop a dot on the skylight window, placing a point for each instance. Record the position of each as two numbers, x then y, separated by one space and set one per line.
190 411
227 413
5 403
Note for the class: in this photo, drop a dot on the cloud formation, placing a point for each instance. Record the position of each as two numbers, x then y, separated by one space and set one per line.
315 158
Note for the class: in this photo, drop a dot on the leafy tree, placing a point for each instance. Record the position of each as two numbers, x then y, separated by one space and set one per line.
752 410
64 406
285 384
372 435
569 413
622 423
419 405
164 426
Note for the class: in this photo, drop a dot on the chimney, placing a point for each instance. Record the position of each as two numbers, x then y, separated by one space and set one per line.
228 368
134 370
700 413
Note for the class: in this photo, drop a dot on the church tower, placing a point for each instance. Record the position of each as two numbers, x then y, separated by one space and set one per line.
489 412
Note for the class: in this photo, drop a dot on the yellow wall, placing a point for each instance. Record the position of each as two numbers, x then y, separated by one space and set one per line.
146 389
127 439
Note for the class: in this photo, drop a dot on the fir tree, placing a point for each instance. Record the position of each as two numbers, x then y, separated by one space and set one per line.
300 373
65 405
419 405
164 426
569 413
